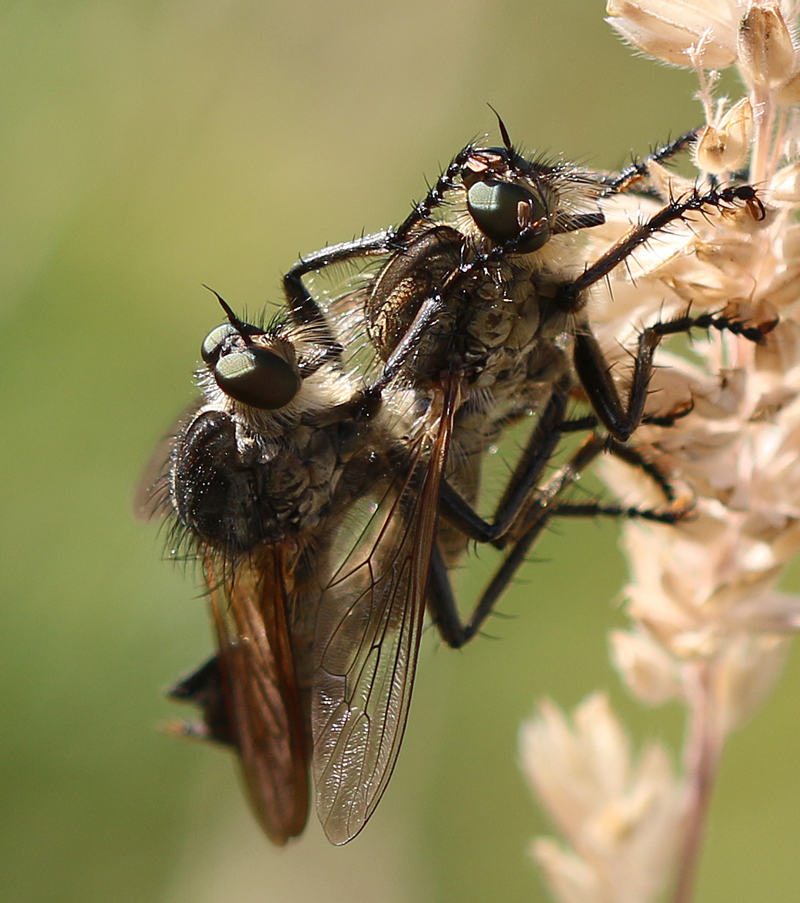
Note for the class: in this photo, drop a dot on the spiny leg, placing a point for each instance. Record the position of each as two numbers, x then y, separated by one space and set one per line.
528 523
626 179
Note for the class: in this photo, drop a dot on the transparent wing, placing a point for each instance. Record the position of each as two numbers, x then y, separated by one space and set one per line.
367 638
151 498
260 692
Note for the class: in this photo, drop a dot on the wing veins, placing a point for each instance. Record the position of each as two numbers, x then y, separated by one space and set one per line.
361 702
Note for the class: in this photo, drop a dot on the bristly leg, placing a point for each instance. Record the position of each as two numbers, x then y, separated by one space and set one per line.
639 171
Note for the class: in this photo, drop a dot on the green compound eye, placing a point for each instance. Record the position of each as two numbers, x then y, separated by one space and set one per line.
212 343
501 211
257 377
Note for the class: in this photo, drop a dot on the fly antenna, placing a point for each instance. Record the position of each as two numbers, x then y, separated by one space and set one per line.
503 130
239 325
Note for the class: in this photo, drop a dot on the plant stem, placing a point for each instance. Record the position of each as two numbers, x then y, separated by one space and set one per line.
701 758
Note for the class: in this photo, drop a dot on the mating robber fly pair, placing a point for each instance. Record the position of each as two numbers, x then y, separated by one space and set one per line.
327 503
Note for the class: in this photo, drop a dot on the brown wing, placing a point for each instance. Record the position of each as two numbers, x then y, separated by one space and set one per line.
259 686
368 634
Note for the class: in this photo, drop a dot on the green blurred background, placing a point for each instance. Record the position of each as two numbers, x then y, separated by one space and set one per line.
146 147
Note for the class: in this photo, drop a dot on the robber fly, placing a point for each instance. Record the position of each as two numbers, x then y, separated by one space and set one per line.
475 319
486 283
284 458
258 483
477 307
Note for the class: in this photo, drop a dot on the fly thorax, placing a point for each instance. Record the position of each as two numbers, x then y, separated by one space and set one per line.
554 320
547 362
490 327
527 323
321 459
435 351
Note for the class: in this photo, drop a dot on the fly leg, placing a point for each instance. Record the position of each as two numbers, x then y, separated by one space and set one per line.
302 306
619 418
628 178
545 505
528 505
527 475
454 633
203 688
731 197
622 418
446 181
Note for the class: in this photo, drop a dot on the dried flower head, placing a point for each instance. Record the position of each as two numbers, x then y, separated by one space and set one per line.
709 627
618 814
677 31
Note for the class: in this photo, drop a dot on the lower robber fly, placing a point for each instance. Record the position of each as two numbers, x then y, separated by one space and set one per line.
258 483
262 483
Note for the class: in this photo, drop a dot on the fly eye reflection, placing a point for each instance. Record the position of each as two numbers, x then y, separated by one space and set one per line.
252 375
211 348
501 211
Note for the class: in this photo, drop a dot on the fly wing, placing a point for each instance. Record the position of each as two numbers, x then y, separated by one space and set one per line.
151 498
263 712
368 635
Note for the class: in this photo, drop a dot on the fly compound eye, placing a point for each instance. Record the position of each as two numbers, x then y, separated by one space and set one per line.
257 377
212 344
503 210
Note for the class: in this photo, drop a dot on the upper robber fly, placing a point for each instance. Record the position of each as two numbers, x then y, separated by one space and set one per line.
477 305
485 286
